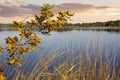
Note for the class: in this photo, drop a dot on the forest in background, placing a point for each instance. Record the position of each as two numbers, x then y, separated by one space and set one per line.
111 24
96 24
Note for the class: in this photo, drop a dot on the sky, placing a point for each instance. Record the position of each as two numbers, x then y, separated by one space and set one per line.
85 10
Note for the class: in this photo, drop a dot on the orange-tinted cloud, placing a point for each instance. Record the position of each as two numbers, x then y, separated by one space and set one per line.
19 1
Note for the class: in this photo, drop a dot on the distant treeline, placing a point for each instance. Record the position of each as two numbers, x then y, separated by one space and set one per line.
5 26
96 24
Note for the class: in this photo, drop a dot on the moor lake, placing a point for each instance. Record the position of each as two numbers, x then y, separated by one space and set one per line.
87 41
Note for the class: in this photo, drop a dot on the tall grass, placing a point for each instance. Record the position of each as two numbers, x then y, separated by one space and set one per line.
59 65
64 64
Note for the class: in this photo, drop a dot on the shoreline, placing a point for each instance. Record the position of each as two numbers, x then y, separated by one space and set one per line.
89 28
78 27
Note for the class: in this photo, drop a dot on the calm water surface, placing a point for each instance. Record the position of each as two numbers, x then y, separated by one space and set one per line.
73 39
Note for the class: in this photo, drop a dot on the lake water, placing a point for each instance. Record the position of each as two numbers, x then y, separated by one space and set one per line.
106 40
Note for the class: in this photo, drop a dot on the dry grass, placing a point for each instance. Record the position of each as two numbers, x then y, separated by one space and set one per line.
63 64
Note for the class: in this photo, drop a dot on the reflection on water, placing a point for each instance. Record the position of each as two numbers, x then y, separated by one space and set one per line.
70 29
76 39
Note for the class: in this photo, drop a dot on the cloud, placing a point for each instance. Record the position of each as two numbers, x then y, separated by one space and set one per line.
19 1
6 2
79 7
88 9
12 11
11 2
27 10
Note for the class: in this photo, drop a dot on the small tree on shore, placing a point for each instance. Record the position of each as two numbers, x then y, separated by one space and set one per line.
28 39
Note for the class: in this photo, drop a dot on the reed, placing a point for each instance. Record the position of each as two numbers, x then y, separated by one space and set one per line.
61 64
